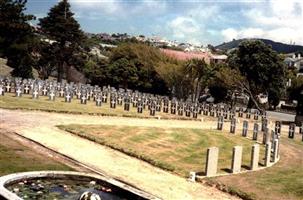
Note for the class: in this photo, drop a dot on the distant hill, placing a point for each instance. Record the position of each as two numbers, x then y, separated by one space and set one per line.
277 46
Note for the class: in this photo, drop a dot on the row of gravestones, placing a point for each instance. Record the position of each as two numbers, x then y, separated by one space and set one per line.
271 156
264 128
140 101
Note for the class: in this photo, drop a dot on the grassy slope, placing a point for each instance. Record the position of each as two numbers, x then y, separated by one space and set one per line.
178 150
15 157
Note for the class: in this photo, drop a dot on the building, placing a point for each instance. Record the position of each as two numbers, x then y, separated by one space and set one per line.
294 62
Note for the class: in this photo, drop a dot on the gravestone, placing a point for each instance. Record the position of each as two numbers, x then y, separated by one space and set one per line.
225 114
266 136
240 114
68 97
61 93
140 107
126 103
113 102
291 131
104 97
254 162
236 159
98 101
173 108
211 161
18 91
51 95
135 103
195 112
275 155
255 131
267 154
233 125
187 111
158 106
278 127
83 99
1 90
212 112
120 100
79 94
180 110
8 87
264 124
248 115
44 91
152 110
220 123
256 115
26 89
245 128
35 94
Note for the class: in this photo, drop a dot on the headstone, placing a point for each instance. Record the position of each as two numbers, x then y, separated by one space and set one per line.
211 161
126 103
165 106
152 111
187 111
275 150
236 159
245 128
44 91
264 124
104 97
140 107
256 115
180 110
8 87
1 90
291 131
98 101
158 106
240 114
18 91
68 97
113 102
220 123
26 89
51 95
278 127
266 136
267 154
254 162
255 131
173 108
248 114
83 99
233 125
195 112
35 94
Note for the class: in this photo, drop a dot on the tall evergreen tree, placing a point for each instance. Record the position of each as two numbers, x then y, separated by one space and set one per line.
61 27
16 37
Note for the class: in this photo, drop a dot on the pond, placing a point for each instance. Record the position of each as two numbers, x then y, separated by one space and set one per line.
68 188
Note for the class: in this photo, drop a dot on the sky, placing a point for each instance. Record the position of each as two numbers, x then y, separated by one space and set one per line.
200 22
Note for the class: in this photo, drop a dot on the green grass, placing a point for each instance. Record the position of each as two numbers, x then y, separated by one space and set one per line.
174 149
9 101
15 157
281 181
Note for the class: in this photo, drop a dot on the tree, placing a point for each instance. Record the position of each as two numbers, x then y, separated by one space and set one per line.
263 69
199 74
16 37
64 36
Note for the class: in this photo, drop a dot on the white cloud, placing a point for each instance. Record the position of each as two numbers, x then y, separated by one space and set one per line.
280 20
183 26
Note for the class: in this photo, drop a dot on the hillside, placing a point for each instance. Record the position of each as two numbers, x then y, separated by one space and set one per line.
277 46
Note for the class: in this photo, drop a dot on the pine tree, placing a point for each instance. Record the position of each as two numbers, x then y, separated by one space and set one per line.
61 27
16 37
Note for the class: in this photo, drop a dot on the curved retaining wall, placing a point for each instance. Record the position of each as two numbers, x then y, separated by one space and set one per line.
11 178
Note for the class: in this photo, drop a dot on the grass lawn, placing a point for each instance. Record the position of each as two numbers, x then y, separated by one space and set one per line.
177 150
15 157
282 181
9 101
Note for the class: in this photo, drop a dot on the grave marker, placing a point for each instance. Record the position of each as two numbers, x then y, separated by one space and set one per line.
255 131
291 131
211 161
254 162
233 125
236 159
245 128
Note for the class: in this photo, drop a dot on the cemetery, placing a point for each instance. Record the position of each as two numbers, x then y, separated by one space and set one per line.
208 140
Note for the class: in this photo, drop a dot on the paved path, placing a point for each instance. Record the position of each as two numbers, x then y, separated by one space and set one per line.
40 127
